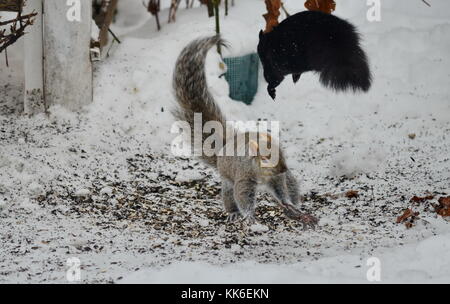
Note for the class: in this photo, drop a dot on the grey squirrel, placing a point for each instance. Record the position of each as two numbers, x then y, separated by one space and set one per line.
241 175
319 42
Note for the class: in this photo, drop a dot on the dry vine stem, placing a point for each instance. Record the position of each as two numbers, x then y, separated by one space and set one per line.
273 12
173 10
154 7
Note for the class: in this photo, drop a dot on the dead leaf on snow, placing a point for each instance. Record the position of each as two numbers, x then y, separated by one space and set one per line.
351 194
408 217
417 199
443 209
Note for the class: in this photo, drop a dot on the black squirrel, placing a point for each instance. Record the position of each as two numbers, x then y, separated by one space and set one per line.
240 175
319 42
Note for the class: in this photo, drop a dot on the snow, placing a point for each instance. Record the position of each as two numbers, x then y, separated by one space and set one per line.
259 228
422 267
188 175
82 192
70 182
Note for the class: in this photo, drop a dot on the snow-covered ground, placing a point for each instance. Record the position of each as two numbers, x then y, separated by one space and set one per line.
103 187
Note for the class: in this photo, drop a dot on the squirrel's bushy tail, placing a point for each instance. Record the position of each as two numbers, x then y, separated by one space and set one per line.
353 72
191 89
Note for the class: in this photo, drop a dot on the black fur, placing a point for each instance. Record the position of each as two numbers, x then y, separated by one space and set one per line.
319 42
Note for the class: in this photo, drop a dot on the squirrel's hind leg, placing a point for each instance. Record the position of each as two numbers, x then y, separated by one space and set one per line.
292 186
228 201
244 195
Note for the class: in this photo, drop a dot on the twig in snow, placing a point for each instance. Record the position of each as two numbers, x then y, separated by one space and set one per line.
424 1
284 10
114 35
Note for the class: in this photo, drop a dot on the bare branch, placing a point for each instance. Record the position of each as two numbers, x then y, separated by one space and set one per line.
16 29
424 1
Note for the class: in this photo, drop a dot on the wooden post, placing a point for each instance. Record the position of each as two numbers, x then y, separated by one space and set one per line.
33 62
67 64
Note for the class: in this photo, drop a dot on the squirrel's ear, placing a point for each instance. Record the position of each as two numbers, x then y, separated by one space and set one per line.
253 147
260 34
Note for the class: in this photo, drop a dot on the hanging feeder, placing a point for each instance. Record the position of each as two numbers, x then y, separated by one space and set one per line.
242 76
242 72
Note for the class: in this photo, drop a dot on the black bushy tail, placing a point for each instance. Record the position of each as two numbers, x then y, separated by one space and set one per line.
353 73
191 89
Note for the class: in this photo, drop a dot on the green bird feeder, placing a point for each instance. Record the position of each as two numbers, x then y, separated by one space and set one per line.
242 72
242 76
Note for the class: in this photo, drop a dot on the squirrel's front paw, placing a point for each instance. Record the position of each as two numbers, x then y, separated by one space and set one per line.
249 219
308 221
233 216
272 92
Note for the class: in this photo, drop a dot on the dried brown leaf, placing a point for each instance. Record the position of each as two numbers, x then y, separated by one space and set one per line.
273 12
408 217
325 6
444 201
443 209
351 194
417 199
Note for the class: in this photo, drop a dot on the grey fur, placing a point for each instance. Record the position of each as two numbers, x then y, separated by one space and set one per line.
191 90
241 175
